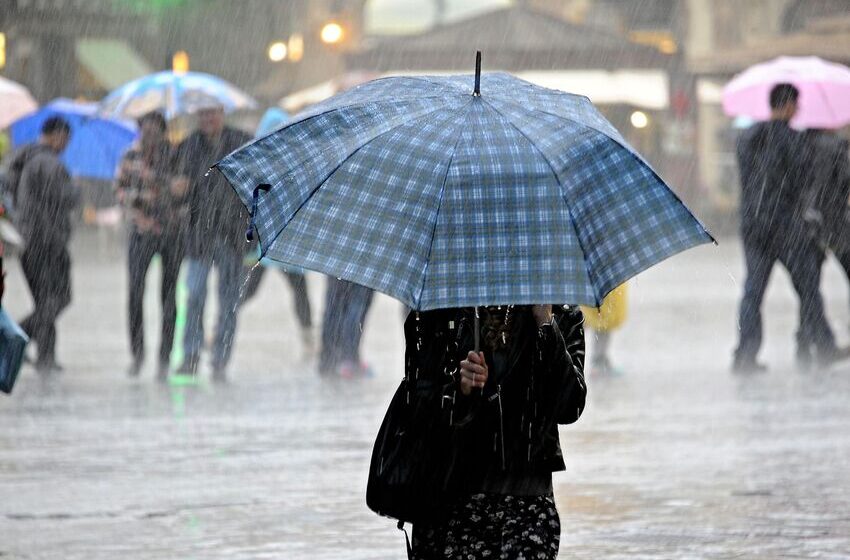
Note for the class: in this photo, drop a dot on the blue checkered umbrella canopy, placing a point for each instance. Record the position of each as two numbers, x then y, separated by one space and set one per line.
417 188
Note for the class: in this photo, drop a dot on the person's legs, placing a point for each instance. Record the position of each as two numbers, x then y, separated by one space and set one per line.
197 274
600 362
32 269
254 276
332 320
298 282
759 262
804 265
353 318
230 276
171 253
140 252
843 257
47 271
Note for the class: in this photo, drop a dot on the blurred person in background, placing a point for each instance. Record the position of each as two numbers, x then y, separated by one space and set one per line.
346 306
829 192
773 169
215 236
604 321
157 218
45 198
273 119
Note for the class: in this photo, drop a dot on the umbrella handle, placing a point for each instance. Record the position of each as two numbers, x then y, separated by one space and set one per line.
477 324
252 225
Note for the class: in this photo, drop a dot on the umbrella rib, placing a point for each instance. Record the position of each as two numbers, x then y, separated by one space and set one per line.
418 299
590 274
329 175
628 149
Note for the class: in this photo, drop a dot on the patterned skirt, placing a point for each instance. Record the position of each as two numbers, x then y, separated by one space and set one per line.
492 526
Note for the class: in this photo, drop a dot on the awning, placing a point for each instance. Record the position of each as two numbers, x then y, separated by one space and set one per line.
646 89
111 62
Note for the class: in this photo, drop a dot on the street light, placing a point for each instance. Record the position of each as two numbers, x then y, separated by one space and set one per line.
180 62
2 50
277 51
332 33
639 119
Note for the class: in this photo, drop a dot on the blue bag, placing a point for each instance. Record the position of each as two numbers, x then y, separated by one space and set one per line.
13 341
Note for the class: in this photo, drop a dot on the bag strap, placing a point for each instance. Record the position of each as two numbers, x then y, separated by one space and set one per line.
406 539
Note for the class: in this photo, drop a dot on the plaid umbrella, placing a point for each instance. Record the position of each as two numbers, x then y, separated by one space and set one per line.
441 197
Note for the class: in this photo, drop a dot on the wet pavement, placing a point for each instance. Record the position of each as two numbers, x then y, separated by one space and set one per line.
676 458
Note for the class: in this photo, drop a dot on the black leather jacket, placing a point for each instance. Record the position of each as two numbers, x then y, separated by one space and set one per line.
505 438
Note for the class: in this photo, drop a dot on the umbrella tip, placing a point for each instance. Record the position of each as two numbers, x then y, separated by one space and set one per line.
477 91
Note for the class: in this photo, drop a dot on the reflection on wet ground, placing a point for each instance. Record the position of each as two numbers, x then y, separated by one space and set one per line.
677 458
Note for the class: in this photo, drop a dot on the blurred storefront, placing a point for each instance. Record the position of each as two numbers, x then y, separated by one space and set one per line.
627 80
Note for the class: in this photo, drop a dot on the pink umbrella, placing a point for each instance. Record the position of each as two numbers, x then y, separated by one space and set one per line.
824 91
15 102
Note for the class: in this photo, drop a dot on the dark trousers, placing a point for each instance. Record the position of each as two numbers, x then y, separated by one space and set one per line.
843 257
140 252
48 273
297 282
346 305
803 261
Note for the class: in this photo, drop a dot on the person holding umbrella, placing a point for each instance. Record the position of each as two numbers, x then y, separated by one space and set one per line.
483 204
773 187
215 236
157 219
510 398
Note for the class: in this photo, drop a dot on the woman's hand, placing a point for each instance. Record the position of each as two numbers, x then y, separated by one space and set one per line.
473 372
542 314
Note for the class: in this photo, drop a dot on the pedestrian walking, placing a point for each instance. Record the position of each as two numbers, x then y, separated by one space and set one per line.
346 306
215 236
470 194
489 494
44 200
157 218
829 191
773 168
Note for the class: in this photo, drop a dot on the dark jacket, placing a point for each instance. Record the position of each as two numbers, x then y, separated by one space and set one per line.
45 200
829 189
143 182
771 160
506 438
217 218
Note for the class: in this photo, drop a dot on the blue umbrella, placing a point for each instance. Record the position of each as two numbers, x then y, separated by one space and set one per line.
175 94
273 119
443 192
96 145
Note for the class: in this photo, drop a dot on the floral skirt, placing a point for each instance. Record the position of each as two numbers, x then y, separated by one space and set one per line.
492 526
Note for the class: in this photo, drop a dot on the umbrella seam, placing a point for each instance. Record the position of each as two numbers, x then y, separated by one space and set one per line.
327 177
590 274
418 299
631 152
